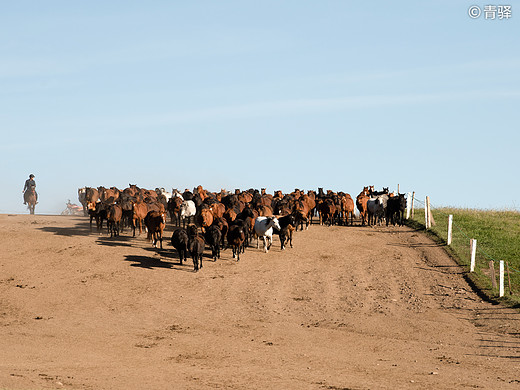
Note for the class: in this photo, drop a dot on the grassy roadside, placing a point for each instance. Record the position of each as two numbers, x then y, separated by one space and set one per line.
498 238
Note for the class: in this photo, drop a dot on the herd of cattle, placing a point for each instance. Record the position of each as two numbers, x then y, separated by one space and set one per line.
217 218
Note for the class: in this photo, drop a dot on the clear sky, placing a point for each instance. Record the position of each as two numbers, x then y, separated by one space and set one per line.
250 94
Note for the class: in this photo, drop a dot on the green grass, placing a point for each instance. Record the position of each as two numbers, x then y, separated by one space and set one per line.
498 238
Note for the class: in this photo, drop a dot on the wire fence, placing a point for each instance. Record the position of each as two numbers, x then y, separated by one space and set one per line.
484 254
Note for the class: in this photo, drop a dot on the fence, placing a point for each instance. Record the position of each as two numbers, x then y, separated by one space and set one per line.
485 259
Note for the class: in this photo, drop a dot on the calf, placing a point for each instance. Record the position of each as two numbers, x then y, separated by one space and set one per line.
155 222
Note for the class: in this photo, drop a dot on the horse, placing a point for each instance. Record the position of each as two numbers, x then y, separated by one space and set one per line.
188 210
31 199
347 207
264 229
361 204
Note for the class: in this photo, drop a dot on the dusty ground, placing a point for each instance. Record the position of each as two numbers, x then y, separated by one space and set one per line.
346 308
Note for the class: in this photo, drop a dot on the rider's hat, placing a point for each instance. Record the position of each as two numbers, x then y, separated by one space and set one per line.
31 176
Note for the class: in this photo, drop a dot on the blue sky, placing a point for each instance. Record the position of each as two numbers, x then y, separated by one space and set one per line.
275 94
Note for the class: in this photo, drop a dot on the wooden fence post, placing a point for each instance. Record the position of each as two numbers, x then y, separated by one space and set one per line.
413 198
450 227
509 278
473 244
492 274
501 293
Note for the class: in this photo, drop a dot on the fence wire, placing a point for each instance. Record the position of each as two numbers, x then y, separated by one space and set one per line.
479 250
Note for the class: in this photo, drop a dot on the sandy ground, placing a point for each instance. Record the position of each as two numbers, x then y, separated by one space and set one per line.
346 308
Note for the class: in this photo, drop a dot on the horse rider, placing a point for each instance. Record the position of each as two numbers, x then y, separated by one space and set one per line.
30 184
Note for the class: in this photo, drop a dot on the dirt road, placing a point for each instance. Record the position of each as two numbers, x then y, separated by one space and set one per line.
346 308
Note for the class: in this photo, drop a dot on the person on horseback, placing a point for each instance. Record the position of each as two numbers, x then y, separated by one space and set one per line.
30 185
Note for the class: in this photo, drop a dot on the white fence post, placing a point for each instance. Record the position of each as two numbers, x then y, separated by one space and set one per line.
427 214
501 293
408 205
473 243
450 226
